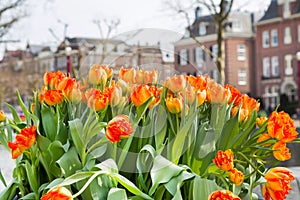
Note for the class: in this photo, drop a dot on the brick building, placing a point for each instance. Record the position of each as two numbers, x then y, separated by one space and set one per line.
276 45
190 58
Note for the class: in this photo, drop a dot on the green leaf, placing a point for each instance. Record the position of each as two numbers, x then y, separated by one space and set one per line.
69 162
173 186
9 192
77 177
15 115
108 165
98 152
179 140
162 171
129 186
230 130
31 176
2 179
205 142
54 183
49 121
117 193
56 150
76 131
29 196
202 188
141 110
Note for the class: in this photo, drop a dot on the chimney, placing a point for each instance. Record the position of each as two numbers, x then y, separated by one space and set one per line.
198 12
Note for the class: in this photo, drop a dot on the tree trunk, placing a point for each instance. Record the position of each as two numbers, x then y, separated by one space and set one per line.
221 53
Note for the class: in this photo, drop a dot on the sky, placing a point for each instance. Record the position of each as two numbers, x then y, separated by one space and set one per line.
79 15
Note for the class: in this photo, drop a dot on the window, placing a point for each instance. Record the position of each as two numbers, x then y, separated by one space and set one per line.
202 28
288 64
236 26
287 35
266 67
275 66
199 56
183 57
214 74
241 52
265 37
286 9
274 36
242 77
214 50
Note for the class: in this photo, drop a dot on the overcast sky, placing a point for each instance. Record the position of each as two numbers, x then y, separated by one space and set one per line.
79 14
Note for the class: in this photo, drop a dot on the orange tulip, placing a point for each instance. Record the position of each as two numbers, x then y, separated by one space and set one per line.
128 75
70 89
52 79
201 97
140 95
52 97
97 75
174 105
150 77
236 176
263 137
260 121
281 127
278 183
119 127
24 140
281 152
198 82
139 77
223 195
176 83
2 116
60 193
216 93
96 99
224 159
236 96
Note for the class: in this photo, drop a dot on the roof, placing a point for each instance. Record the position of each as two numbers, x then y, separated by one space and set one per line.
272 11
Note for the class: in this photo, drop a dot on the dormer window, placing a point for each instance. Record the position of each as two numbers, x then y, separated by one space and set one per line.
286 9
202 28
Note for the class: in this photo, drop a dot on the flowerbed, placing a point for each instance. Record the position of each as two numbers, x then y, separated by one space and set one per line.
136 138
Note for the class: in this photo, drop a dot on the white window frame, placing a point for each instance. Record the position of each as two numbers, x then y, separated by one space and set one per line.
215 51
274 37
286 9
287 35
241 52
242 77
265 39
266 67
202 28
199 56
183 57
275 66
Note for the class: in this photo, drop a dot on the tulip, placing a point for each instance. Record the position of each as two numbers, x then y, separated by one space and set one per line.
260 121
201 97
24 140
198 82
236 176
150 77
281 127
128 75
139 77
236 96
281 152
70 89
224 159
223 195
174 105
96 99
263 137
2 116
176 83
97 75
278 183
60 193
53 97
52 79
119 127
140 95
216 94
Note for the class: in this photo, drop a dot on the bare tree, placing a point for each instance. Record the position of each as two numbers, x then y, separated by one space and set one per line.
106 28
219 10
10 14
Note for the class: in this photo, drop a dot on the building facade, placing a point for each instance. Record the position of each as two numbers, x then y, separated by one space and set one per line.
191 58
276 46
